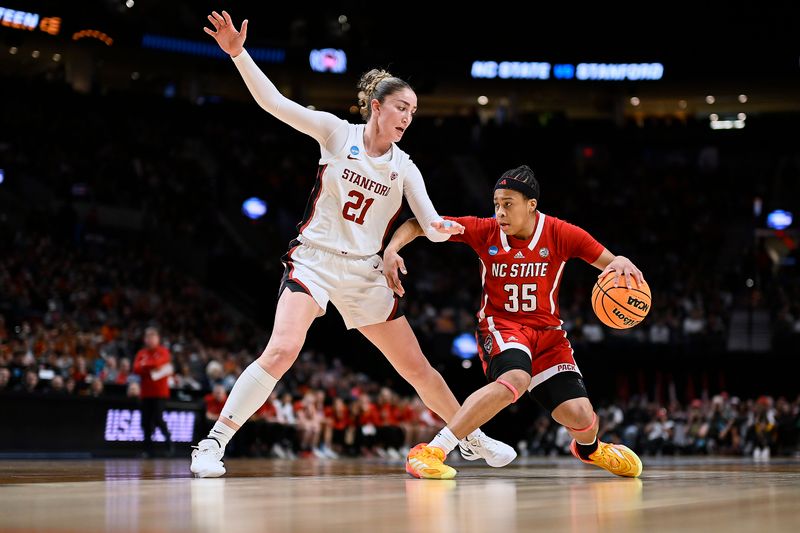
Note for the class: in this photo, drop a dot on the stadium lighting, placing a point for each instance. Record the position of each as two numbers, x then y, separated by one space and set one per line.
2 176
465 346
779 219
254 208
328 60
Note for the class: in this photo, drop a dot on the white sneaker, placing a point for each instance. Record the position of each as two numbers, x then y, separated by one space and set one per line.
278 450
318 453
494 452
329 453
207 459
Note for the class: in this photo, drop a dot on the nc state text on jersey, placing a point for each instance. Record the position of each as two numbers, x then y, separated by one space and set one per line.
519 270
365 182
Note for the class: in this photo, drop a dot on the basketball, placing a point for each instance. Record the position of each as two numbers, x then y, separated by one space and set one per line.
620 307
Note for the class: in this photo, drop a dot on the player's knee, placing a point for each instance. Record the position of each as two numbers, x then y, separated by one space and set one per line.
519 379
580 413
417 373
281 352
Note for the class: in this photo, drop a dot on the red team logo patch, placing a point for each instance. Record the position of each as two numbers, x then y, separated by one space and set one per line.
487 344
393 176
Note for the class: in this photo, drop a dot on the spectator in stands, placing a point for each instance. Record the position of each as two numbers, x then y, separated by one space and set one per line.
57 386
124 372
339 430
134 390
214 402
30 383
96 388
184 380
110 370
763 432
309 424
390 435
5 378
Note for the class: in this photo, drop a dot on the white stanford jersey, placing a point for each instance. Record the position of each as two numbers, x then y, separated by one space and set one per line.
356 198
521 278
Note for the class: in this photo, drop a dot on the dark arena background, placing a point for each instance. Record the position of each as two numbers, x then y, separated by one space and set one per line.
142 186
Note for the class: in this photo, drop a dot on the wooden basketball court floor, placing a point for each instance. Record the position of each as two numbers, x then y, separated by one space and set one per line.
264 495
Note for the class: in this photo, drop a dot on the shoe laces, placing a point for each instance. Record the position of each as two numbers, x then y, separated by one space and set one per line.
428 454
610 457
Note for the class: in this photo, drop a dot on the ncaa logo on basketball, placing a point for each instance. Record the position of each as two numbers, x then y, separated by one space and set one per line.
493 250
393 176
487 344
544 252
354 150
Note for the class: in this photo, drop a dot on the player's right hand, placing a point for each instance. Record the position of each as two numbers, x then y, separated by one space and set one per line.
392 262
230 40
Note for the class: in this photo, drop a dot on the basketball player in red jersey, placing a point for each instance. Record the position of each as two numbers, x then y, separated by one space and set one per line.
521 344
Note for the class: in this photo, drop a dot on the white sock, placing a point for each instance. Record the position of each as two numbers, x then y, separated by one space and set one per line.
475 434
221 433
249 393
445 440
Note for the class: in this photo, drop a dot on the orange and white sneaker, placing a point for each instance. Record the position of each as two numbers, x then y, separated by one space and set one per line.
615 458
427 462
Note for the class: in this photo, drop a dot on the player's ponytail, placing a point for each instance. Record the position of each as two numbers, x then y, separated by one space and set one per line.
377 84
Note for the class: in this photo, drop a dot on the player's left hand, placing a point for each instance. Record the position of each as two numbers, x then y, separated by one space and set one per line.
621 265
392 262
448 226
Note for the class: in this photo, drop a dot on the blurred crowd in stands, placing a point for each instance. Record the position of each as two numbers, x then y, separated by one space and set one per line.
78 286
721 425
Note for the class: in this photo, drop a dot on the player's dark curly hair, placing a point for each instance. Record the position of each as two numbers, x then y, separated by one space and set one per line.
377 84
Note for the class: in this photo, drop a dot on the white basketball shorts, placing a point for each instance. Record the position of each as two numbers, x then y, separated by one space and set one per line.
355 285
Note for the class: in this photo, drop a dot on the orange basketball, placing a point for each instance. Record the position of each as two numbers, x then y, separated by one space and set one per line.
620 307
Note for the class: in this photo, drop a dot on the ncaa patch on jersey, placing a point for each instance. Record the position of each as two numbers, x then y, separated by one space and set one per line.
544 252
493 250
354 150
393 176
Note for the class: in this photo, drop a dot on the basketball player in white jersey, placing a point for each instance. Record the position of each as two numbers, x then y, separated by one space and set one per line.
362 179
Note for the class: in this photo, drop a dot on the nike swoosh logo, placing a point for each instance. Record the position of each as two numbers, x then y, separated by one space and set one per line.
353 158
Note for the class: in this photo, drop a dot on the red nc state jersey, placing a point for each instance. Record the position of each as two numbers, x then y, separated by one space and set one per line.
521 278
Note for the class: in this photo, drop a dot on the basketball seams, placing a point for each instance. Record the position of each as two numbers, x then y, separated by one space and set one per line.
602 286
622 306
611 322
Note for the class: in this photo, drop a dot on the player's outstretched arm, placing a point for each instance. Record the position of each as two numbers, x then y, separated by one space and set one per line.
433 226
620 265
327 129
